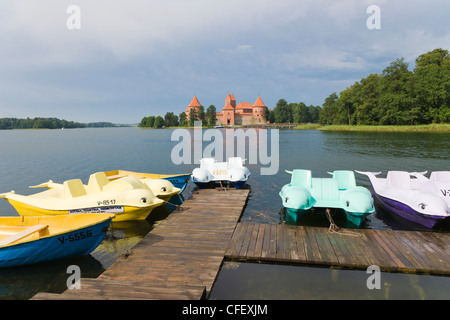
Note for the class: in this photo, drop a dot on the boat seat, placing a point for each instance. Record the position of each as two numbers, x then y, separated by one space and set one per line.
22 234
440 176
399 179
345 179
207 163
73 188
325 191
96 182
235 162
301 178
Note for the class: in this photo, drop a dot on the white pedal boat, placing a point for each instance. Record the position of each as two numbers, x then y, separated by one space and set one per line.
211 171
411 195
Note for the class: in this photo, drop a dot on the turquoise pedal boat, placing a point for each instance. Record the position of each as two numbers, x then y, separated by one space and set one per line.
338 192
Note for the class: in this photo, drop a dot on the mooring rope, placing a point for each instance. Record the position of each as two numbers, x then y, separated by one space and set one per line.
334 228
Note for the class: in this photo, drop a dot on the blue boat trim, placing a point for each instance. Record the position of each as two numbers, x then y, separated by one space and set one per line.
180 181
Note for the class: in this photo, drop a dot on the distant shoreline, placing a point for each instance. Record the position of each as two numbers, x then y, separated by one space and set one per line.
377 128
316 126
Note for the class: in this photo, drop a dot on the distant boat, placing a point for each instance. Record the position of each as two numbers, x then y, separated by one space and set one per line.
338 192
231 171
412 196
29 240
218 127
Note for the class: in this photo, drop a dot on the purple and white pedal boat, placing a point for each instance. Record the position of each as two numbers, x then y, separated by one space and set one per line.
413 196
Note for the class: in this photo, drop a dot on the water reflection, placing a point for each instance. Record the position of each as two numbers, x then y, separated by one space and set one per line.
248 281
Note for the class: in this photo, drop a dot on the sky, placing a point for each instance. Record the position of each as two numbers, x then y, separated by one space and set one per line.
135 58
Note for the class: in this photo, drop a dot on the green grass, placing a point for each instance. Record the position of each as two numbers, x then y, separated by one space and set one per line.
413 128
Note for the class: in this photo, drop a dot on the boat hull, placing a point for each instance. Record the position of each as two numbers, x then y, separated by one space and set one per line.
122 213
179 181
406 212
293 215
74 243
213 184
356 218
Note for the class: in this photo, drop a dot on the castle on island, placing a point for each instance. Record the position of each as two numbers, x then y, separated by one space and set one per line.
244 113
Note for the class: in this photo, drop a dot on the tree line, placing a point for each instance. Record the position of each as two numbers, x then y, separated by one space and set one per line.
285 112
170 119
398 96
47 123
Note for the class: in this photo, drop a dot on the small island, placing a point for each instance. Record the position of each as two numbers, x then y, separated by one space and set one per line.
398 99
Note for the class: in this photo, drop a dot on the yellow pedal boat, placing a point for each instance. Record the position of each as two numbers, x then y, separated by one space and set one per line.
28 240
161 188
128 198
178 180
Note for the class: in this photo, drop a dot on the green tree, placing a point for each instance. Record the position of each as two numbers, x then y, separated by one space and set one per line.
150 122
182 117
159 122
329 113
432 85
314 113
396 100
282 112
300 113
211 116
192 117
171 120
201 115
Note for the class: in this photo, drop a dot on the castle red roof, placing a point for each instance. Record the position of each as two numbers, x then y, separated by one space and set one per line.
244 105
228 107
194 102
259 103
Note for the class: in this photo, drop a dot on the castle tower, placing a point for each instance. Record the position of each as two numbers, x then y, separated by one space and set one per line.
259 110
194 104
228 114
231 100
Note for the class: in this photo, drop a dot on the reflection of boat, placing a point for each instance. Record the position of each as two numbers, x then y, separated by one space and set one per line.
178 180
211 171
28 240
128 198
420 200
340 191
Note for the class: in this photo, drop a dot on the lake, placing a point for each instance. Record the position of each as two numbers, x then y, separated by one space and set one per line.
30 157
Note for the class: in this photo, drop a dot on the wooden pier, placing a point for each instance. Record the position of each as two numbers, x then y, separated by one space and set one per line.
392 251
181 257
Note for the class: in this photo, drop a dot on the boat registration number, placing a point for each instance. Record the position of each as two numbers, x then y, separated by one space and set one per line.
445 192
112 209
75 236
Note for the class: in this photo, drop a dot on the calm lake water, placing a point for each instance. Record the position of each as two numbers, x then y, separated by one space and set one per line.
30 157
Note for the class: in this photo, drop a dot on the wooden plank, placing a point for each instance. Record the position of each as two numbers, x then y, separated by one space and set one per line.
266 241
301 245
259 241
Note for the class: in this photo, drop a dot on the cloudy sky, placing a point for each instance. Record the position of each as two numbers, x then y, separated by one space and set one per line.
137 58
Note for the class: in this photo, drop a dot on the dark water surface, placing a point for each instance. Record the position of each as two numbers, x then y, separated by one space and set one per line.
30 157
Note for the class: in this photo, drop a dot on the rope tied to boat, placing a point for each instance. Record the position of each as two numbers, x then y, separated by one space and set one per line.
334 228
